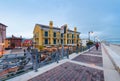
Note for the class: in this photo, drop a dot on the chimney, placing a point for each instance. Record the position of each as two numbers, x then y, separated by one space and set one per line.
75 29
51 24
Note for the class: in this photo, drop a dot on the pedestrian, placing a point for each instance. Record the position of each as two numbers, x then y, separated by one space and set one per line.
28 48
97 45
77 48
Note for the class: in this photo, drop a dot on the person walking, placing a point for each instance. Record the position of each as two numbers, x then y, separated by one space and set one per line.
97 45
77 48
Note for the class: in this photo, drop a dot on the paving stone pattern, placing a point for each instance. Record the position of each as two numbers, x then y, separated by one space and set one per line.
93 53
94 60
70 72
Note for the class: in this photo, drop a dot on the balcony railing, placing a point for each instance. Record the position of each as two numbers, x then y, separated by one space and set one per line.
36 36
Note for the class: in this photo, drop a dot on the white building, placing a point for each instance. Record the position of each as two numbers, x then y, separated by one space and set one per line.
84 42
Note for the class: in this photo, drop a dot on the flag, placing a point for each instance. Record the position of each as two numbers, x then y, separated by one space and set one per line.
63 29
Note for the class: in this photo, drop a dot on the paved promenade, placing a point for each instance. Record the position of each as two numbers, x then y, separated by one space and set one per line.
70 72
93 57
91 65
115 48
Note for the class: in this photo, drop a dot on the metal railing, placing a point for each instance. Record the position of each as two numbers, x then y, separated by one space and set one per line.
32 60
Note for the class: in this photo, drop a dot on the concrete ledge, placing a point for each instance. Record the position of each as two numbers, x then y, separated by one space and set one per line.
115 58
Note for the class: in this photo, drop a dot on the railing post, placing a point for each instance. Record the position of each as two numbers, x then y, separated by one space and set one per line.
62 51
6 64
35 60
77 49
67 54
57 56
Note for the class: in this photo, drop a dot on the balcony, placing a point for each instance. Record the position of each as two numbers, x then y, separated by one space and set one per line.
36 36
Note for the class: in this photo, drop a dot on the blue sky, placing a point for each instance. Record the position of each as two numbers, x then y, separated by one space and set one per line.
100 16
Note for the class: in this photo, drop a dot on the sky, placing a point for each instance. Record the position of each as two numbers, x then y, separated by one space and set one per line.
100 16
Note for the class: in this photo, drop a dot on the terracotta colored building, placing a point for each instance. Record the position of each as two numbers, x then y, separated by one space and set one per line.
13 42
2 37
27 42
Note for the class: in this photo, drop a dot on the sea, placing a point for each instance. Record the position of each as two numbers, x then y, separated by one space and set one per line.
114 42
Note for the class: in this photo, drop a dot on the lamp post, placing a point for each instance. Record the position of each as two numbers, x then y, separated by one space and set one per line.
90 32
95 37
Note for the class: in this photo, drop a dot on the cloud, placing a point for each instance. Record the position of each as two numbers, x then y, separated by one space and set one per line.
84 36
99 16
97 33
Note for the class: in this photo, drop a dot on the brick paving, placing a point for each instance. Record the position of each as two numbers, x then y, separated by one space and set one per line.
87 58
74 71
93 53
94 48
93 60
70 72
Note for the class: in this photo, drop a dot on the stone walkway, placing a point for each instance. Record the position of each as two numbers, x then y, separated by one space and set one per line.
93 60
88 66
70 71
92 57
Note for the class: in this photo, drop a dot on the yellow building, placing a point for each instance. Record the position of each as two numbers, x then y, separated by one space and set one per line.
48 35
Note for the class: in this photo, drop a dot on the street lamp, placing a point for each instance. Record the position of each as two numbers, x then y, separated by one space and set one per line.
95 37
90 32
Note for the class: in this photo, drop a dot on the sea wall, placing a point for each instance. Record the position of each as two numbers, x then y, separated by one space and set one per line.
115 58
